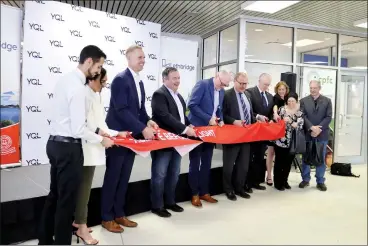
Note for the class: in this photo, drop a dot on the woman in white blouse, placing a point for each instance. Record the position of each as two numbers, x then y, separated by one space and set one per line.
94 154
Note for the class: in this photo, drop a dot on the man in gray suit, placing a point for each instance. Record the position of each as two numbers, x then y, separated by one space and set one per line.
237 110
317 110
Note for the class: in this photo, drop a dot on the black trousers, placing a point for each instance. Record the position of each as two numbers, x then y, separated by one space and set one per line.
238 154
281 170
257 168
66 161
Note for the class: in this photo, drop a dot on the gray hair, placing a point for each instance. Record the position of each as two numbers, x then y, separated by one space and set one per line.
315 81
265 75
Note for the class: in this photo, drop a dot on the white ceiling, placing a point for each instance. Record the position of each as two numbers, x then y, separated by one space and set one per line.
199 17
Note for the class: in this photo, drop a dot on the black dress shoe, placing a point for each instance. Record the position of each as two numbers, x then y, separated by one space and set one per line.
280 188
243 194
161 212
231 196
287 186
322 187
259 187
175 208
248 189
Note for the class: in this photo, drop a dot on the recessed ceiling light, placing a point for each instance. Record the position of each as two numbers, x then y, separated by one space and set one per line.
304 42
230 40
267 6
248 55
258 30
361 23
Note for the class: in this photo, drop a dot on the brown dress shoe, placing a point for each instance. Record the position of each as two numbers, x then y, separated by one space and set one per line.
196 202
125 222
112 226
208 198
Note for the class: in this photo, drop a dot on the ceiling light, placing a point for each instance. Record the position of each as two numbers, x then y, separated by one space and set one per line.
361 23
316 62
248 55
230 40
267 6
258 30
304 42
359 67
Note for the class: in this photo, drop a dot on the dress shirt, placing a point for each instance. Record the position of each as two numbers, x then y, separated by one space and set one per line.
264 94
137 79
68 108
216 102
247 104
179 105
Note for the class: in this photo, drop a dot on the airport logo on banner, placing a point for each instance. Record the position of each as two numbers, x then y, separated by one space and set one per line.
54 35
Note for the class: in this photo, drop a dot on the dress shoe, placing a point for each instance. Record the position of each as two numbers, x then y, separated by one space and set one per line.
303 184
112 226
125 222
287 186
231 196
322 187
175 208
161 212
243 194
196 202
248 189
259 187
208 198
280 188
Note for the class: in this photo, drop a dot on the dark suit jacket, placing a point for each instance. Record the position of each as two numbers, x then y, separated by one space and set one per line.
231 109
166 113
124 113
256 99
319 115
201 103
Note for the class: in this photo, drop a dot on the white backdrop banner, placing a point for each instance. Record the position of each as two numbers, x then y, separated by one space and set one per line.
11 29
182 55
54 35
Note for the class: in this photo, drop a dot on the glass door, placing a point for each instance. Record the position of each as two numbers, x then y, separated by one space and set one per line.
351 125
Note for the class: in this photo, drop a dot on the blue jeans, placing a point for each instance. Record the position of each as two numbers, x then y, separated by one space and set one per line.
320 170
165 172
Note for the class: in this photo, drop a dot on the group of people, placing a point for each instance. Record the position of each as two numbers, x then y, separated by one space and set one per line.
80 140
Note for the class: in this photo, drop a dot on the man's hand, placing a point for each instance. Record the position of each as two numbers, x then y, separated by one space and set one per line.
316 130
238 122
294 125
191 126
262 118
107 142
102 133
221 124
190 132
148 133
152 124
212 121
123 134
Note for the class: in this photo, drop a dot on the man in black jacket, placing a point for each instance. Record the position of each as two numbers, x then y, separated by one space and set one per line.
237 110
168 111
262 102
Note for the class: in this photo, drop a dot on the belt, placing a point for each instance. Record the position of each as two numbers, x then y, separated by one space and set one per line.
65 139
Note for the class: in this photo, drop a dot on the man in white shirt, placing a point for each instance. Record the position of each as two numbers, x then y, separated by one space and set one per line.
64 149
168 110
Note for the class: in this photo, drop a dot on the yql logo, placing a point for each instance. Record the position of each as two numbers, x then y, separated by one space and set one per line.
125 29
49 121
153 35
34 82
56 43
110 15
55 70
77 8
110 39
51 95
40 2
139 43
33 135
75 33
122 52
140 22
109 63
74 58
33 109
94 24
152 56
33 162
151 77
36 27
34 54
57 17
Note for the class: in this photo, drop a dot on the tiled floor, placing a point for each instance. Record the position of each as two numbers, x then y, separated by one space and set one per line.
338 216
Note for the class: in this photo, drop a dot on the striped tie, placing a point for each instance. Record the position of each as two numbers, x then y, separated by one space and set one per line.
245 110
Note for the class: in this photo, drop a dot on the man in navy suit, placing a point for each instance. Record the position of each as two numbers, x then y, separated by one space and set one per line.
205 107
127 112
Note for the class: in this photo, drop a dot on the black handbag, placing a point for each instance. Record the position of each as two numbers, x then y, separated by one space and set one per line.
297 142
314 154
342 169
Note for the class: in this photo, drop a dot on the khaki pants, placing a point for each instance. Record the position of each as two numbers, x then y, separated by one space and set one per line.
84 191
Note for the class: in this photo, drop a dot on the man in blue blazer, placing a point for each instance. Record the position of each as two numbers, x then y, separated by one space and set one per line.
127 112
205 107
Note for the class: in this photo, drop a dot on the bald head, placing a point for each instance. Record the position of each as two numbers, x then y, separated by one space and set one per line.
222 79
264 81
314 88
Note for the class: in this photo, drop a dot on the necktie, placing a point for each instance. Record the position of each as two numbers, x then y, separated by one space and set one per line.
142 96
245 110
264 102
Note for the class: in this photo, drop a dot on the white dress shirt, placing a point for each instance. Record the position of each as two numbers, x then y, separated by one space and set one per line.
216 102
264 94
137 79
180 106
68 108
94 153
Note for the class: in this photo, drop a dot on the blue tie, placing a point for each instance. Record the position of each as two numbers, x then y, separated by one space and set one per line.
245 110
264 102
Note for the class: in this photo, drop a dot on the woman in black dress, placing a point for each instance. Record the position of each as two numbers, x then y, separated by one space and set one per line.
281 91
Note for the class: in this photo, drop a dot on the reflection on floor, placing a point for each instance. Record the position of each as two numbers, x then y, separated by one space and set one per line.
338 216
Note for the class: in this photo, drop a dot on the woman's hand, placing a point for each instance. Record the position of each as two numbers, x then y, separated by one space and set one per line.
123 134
276 117
294 125
287 119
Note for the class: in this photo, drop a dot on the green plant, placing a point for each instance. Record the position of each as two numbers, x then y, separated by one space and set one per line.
5 123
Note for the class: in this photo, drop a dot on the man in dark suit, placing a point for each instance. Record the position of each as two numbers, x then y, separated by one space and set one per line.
205 105
237 110
262 102
317 110
168 110
127 112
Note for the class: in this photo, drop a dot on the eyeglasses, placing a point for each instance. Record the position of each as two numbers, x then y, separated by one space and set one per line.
242 84
221 83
